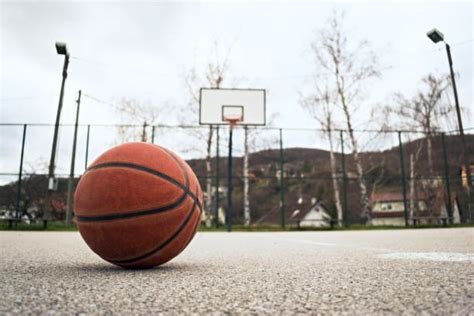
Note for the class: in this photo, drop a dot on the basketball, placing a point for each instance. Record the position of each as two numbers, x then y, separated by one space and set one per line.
138 205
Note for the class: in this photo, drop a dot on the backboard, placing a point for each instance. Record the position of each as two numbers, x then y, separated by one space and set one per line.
216 106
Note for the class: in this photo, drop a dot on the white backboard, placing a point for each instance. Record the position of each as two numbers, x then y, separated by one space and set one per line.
215 104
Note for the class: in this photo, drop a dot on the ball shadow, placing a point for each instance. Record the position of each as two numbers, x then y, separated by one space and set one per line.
106 268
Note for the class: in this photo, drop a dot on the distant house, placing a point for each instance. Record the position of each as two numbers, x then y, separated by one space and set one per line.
304 211
316 216
388 209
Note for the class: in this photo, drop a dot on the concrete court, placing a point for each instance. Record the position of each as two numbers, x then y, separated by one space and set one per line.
349 272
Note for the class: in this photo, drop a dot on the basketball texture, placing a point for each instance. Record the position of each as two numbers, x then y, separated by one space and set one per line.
138 205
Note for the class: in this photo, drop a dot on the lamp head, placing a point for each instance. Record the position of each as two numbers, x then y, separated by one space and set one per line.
435 35
61 48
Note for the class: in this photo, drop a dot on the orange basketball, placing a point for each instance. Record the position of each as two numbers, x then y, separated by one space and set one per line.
138 205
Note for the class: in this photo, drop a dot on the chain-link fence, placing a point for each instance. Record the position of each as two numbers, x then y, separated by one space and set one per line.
303 178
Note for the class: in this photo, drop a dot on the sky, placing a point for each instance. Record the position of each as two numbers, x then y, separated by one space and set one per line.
143 49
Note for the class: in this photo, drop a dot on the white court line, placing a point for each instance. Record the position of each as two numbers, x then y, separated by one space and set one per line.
430 256
328 244
390 254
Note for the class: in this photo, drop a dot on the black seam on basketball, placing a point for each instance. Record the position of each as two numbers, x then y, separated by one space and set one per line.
115 216
164 244
180 166
183 169
194 230
141 168
149 171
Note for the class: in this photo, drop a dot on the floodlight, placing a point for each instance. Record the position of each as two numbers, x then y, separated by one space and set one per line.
61 48
435 35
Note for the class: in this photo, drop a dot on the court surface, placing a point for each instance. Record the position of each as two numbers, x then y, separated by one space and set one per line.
352 272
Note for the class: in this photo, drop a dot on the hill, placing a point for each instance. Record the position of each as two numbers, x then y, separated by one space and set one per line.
308 175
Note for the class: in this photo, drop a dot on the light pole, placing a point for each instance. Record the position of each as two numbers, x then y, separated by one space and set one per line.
61 49
436 36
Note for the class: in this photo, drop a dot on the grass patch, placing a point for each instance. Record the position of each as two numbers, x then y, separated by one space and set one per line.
241 228
52 226
276 228
388 227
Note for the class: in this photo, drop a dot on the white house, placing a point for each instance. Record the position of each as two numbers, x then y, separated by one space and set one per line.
316 216
388 209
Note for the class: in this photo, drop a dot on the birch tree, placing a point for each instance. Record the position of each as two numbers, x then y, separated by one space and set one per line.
349 67
320 105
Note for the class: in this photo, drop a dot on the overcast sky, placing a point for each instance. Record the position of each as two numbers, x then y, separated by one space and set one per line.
141 49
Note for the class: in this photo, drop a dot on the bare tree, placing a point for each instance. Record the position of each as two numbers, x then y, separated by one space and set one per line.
213 75
321 106
425 112
133 112
350 66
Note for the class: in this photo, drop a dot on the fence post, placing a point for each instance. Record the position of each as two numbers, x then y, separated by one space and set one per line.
282 183
229 182
344 181
446 176
87 145
246 178
153 134
404 185
218 178
20 176
144 136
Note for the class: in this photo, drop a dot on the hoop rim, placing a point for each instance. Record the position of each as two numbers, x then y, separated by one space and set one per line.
233 120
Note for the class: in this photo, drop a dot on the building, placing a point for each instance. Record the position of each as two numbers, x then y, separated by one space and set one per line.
388 209
304 211
316 216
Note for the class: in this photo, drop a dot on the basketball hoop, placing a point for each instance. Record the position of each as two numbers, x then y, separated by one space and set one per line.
233 120
220 106
231 107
